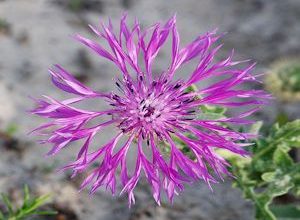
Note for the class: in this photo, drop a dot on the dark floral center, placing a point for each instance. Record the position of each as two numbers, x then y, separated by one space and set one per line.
151 108
149 111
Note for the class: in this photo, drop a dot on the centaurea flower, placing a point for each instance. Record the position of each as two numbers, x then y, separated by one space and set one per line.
151 110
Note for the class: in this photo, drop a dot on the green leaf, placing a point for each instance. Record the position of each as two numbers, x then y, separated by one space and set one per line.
36 203
285 212
269 176
289 130
26 197
274 129
282 158
281 186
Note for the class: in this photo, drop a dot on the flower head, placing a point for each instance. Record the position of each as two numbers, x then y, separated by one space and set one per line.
152 112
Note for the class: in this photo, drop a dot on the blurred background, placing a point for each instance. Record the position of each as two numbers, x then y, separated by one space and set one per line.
34 34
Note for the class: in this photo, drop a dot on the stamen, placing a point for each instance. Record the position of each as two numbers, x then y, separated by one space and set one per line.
178 85
170 131
116 97
188 119
182 94
188 101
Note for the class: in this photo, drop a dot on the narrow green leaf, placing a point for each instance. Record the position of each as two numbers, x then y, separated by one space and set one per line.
26 193
26 196
37 203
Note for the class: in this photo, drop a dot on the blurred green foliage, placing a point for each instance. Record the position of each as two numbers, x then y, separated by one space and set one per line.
283 79
270 172
30 207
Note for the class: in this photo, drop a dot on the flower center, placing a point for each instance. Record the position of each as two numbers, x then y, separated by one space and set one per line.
150 108
149 111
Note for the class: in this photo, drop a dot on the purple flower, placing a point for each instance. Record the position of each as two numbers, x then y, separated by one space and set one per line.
152 112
